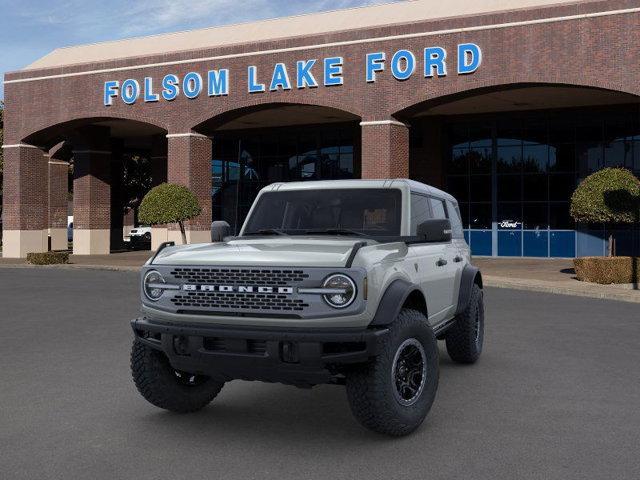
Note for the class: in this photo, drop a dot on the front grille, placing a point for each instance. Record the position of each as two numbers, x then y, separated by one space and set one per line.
238 301
239 276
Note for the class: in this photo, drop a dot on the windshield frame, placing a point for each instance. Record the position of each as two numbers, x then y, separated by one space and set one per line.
400 222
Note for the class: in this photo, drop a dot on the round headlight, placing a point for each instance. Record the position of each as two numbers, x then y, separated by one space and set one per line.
153 282
344 291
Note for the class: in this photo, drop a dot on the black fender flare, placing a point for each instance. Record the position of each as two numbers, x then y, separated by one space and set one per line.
392 301
470 275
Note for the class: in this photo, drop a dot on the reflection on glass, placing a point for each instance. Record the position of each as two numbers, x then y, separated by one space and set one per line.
535 158
480 160
510 159
245 162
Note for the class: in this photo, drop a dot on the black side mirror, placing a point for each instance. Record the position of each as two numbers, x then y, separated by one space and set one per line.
219 230
435 230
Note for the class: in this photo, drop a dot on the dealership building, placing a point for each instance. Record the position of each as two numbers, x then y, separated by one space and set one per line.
506 104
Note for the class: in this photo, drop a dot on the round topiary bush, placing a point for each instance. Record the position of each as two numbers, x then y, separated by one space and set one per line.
169 203
611 195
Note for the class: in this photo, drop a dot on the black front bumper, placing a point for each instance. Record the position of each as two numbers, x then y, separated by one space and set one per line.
303 358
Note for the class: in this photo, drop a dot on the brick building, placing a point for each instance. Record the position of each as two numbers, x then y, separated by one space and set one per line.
506 104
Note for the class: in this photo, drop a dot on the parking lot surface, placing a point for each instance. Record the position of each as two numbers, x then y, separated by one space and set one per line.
554 396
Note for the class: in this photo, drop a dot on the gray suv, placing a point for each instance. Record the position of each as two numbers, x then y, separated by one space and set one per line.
347 282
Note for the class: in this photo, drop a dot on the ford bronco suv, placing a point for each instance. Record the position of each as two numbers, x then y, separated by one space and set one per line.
348 282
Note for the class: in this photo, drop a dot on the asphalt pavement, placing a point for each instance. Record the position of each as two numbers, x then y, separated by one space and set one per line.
554 396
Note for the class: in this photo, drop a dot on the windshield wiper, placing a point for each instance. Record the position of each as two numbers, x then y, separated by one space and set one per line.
336 231
267 231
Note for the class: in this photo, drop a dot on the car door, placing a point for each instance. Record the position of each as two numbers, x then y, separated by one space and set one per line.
447 264
429 263
461 247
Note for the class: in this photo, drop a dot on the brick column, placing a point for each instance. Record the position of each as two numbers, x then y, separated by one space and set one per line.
25 211
58 191
92 192
189 164
385 149
159 233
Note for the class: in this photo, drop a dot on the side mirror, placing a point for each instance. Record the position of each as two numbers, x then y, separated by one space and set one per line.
219 230
435 230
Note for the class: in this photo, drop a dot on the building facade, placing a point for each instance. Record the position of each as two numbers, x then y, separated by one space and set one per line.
505 109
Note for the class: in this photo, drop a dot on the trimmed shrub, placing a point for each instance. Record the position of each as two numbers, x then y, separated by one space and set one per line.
48 258
611 195
607 270
169 203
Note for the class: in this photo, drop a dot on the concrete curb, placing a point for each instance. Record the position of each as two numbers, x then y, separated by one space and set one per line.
74 266
604 292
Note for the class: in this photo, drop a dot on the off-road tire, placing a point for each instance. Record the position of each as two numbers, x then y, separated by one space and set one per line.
157 382
464 342
370 388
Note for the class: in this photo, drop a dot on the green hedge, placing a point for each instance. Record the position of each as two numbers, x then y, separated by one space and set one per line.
48 258
611 195
607 270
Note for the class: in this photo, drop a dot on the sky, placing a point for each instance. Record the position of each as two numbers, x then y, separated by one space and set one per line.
29 29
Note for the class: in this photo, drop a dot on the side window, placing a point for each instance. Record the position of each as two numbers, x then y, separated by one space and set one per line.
420 211
456 222
437 206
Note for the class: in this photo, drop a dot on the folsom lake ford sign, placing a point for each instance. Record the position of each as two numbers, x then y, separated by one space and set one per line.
309 73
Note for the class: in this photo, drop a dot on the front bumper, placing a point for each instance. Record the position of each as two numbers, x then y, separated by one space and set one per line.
299 357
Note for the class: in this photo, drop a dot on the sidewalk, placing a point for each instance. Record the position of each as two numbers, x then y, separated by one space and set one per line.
548 275
538 275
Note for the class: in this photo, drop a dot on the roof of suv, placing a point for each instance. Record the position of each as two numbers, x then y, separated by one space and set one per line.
382 183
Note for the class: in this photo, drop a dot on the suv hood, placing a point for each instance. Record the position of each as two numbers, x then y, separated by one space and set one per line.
272 251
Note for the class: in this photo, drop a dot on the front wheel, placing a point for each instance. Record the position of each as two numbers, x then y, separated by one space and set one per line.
394 393
165 387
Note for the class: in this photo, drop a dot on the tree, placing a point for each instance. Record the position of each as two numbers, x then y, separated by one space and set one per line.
611 195
136 181
169 203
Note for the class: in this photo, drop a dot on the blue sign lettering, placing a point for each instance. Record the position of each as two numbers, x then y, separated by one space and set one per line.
170 86
304 76
218 82
402 67
130 91
254 87
280 78
434 59
469 58
333 71
149 96
375 63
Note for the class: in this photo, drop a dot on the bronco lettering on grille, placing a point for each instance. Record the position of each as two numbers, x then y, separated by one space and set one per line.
238 289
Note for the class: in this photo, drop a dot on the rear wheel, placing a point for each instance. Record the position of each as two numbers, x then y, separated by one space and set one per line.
465 338
165 387
394 393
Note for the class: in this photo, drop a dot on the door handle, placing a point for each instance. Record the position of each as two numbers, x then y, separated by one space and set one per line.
458 259
441 262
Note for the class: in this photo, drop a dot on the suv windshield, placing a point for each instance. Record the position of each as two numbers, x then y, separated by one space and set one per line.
358 211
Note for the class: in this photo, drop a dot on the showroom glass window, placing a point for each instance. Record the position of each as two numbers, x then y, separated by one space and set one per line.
246 161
